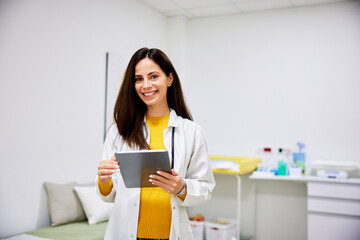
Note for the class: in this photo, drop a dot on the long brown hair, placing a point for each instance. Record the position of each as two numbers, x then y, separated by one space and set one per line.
130 110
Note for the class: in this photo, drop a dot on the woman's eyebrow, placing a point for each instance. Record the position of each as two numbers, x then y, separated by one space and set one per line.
150 73
153 72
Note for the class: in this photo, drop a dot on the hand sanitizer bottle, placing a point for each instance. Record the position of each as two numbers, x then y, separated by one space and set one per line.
282 168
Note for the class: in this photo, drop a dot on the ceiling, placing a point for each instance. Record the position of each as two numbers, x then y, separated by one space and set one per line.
210 8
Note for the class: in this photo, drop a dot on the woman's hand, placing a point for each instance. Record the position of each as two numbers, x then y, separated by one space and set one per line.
107 168
171 183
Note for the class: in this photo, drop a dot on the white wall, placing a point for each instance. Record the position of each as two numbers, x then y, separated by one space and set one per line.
278 77
52 79
266 78
273 78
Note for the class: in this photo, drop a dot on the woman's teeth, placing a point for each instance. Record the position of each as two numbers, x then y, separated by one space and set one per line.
149 94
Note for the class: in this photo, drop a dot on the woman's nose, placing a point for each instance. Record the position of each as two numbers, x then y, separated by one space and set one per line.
147 83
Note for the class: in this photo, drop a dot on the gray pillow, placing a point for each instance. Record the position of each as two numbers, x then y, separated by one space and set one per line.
64 204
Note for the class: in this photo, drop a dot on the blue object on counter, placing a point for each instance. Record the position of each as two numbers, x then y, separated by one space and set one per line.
266 169
299 157
275 171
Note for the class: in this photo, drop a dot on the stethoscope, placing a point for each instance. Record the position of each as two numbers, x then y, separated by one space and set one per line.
172 147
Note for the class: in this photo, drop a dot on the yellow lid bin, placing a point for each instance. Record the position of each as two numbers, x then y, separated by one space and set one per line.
233 165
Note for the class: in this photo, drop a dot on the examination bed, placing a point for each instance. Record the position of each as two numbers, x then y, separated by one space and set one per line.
72 231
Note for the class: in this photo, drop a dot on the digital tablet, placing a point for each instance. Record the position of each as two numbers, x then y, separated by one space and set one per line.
136 166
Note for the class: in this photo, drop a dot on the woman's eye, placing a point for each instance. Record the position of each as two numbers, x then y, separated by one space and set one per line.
138 79
154 77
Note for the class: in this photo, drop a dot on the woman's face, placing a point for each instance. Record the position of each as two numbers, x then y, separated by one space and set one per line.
151 84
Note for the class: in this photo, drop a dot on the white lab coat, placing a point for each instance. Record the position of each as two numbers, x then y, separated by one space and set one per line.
191 163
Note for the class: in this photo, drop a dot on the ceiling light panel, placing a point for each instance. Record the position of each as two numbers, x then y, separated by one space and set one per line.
200 3
202 8
214 11
180 12
263 5
237 1
312 2
161 5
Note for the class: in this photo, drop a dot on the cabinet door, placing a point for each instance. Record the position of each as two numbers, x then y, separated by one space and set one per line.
333 227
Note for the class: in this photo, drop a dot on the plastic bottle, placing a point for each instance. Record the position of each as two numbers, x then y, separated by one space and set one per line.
283 162
282 168
299 157
269 159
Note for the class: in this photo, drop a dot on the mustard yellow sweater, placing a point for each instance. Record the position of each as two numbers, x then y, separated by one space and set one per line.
155 208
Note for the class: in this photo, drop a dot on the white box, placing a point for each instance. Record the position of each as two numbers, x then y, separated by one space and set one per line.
198 229
220 229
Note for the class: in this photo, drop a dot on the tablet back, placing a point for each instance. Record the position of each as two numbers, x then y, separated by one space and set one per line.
136 166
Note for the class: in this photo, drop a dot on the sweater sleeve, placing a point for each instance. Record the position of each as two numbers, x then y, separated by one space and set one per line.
105 188
110 147
183 196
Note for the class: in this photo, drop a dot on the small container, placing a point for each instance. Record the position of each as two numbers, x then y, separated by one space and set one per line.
295 171
220 229
198 229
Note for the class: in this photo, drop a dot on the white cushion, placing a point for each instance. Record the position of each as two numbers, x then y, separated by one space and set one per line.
95 209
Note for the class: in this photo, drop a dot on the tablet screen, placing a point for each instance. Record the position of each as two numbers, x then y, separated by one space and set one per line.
136 166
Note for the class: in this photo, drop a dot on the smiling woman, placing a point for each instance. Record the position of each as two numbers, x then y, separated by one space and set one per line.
141 94
151 85
150 113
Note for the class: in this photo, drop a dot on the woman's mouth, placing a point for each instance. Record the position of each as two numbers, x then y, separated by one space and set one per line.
149 93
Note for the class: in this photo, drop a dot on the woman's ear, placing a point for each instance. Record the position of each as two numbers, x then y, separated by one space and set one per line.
170 79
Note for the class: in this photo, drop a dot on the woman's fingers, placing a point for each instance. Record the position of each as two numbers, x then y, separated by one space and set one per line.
174 173
108 164
104 178
171 183
106 169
